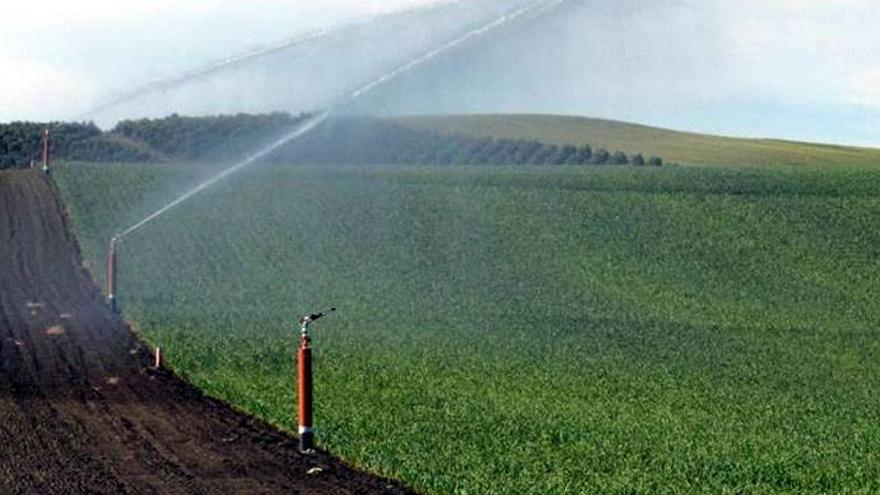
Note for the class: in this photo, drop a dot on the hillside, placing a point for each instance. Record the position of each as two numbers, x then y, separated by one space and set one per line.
673 146
436 140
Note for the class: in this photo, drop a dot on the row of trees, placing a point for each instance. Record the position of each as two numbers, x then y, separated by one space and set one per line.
338 141
373 141
144 140
222 137
20 142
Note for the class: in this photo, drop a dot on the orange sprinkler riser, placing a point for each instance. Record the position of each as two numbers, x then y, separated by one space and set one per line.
111 275
45 149
304 382
304 389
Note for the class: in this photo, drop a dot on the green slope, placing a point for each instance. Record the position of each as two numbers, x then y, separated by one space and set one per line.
527 329
672 146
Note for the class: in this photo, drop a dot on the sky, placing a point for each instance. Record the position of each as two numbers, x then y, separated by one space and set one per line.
795 69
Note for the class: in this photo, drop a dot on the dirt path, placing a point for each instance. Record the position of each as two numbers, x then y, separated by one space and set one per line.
80 409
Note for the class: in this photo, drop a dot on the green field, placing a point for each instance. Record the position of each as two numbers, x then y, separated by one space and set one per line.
673 146
526 330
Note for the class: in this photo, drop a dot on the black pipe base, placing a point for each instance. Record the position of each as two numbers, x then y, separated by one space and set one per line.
306 441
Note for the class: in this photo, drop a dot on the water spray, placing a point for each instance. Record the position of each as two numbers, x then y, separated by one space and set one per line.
453 43
317 119
231 62
310 124
306 429
196 74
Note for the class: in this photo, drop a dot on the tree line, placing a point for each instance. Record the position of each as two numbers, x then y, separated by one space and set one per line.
370 141
173 138
221 137
343 140
20 142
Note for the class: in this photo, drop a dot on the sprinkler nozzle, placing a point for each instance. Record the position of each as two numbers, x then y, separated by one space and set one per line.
305 320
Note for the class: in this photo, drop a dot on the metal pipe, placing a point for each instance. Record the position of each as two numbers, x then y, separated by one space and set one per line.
46 150
111 274
304 382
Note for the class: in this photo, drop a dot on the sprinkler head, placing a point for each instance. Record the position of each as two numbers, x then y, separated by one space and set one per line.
306 320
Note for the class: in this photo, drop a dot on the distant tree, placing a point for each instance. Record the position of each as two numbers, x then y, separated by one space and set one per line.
563 155
619 158
545 154
584 155
600 156
655 161
505 152
638 160
525 151
483 152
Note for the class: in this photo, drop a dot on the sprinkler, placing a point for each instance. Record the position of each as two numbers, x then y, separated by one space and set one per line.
111 274
45 151
304 383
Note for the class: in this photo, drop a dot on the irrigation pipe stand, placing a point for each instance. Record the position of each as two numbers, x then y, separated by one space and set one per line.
304 383
45 150
111 274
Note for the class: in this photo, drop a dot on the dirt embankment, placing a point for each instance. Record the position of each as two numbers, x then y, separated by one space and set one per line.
80 409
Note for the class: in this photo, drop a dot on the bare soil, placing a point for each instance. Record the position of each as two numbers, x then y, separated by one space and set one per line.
81 409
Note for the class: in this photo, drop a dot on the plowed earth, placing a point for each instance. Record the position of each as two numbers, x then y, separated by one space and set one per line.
81 409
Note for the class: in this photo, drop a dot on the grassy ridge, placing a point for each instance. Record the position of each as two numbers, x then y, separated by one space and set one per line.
534 330
673 146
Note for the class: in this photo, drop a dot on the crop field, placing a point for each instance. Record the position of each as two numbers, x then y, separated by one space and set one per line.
525 330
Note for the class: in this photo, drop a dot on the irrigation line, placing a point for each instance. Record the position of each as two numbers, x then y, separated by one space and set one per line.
536 6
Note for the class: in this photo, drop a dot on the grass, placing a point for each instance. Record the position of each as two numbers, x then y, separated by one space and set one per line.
526 330
672 146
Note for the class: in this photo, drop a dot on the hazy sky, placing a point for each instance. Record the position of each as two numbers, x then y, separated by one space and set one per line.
800 69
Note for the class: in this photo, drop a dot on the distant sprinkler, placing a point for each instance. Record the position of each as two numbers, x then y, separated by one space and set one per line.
45 151
304 382
111 273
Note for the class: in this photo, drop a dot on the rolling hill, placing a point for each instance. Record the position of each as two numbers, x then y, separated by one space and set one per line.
673 146
442 140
